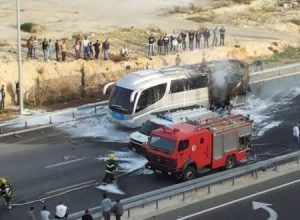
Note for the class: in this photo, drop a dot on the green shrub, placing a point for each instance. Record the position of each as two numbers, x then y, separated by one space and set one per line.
32 27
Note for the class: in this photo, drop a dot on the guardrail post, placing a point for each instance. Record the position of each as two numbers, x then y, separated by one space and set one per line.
26 125
50 120
156 204
1 130
256 174
297 159
221 182
73 114
95 110
233 180
208 189
128 212
183 196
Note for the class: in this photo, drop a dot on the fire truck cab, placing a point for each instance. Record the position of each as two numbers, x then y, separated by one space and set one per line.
186 149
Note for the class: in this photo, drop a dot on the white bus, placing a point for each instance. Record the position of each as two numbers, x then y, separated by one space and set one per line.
139 94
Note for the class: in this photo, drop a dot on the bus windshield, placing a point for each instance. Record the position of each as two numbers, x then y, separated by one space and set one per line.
148 127
162 144
120 100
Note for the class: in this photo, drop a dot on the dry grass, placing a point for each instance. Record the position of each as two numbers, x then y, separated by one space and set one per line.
190 9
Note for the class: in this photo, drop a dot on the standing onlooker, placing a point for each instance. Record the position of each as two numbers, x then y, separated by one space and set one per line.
222 36
105 47
191 40
77 49
166 43
106 207
63 48
117 209
177 60
57 50
296 133
91 51
151 41
45 214
2 97
61 211
97 49
45 47
35 45
179 40
206 36
215 36
258 65
86 48
174 44
29 47
198 39
160 45
183 35
87 215
31 214
172 38
18 92
51 48
1 100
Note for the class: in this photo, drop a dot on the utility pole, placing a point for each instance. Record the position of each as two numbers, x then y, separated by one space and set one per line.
19 58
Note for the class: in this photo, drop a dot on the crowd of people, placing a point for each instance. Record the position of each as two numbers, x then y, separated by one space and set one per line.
186 40
84 48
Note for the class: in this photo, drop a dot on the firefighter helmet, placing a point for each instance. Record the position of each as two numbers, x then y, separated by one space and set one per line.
111 156
3 180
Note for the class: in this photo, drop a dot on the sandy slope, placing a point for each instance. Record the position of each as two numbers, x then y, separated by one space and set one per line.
87 15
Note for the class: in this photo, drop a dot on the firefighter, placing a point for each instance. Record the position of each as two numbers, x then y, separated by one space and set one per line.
110 167
6 191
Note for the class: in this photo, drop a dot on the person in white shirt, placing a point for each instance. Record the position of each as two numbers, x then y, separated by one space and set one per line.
296 133
61 211
45 214
86 50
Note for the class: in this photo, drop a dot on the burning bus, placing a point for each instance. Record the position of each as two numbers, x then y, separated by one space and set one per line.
212 84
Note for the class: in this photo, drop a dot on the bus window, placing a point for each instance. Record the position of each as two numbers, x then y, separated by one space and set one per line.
196 83
177 86
150 96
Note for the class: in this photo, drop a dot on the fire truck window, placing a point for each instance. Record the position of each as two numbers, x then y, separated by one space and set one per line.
201 140
151 96
183 145
177 86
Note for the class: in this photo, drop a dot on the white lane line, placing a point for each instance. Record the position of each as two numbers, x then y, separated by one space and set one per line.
69 187
238 200
64 163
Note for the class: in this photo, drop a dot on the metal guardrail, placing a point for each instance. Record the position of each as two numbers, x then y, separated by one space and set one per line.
52 118
168 192
274 72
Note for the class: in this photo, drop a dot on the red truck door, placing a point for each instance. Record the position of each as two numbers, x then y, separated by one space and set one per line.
183 152
202 147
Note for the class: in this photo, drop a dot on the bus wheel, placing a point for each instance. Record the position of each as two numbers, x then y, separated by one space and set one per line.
189 173
230 162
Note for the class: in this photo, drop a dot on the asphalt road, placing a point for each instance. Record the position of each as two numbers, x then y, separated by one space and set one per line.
48 162
275 199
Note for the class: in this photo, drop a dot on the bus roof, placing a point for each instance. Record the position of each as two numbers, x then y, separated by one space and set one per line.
150 77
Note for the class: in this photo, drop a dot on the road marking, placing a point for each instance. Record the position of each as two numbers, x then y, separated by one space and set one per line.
69 187
64 163
238 200
260 205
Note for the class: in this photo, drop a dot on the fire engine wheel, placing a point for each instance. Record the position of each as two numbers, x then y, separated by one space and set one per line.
230 162
189 173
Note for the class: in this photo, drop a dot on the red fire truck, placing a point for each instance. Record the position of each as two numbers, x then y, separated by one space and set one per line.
186 149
